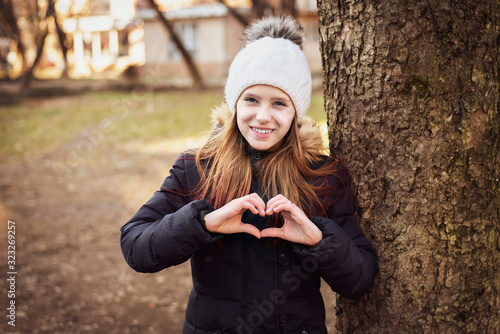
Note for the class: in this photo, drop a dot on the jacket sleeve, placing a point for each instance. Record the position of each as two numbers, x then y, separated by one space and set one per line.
167 230
345 259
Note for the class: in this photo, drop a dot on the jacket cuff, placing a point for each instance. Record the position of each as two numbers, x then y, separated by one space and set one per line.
201 217
183 229
329 245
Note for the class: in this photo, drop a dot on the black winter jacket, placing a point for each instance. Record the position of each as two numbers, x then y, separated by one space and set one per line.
243 284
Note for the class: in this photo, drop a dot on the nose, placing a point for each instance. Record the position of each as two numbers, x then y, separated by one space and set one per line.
263 114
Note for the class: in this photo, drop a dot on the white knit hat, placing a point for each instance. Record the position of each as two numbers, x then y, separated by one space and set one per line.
276 62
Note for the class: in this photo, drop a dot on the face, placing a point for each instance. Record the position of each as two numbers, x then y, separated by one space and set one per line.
264 115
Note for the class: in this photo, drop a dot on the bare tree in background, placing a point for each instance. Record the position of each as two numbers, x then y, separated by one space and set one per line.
263 8
39 34
8 21
412 94
34 33
61 36
287 7
50 13
244 22
195 74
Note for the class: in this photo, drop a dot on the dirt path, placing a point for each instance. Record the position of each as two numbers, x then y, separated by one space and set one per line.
71 274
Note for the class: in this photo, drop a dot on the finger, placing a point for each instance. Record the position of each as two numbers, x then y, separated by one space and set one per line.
272 232
279 206
255 205
250 229
248 205
258 204
275 199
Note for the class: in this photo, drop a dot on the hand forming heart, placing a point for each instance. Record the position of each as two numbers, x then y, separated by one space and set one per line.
296 228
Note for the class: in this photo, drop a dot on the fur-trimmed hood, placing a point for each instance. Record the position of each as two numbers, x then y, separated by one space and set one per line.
309 132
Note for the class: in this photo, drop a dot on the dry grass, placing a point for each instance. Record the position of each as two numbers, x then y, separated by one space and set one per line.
142 118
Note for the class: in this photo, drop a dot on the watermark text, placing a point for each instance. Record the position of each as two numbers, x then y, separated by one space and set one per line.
11 272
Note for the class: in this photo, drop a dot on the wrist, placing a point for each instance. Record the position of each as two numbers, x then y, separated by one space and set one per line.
316 237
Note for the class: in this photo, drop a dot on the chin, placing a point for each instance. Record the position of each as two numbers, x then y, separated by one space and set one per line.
261 148
269 148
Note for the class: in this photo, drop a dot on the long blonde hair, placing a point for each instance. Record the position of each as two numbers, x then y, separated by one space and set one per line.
226 171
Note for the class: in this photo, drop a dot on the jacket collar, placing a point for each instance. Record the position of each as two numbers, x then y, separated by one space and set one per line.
256 155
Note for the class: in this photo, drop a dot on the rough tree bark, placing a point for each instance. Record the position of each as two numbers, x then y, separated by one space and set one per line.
412 96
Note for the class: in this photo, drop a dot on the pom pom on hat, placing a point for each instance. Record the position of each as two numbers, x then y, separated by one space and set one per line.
276 62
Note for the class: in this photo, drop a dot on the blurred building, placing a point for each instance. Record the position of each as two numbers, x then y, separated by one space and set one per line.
212 35
106 37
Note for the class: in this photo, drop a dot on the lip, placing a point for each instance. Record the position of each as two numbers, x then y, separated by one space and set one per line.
267 132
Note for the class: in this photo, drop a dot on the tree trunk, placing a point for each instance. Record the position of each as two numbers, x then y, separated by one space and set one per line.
195 74
413 103
27 77
61 35
8 21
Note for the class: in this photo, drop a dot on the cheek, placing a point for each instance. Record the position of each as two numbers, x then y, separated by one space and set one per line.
286 120
242 114
240 121
239 124
238 117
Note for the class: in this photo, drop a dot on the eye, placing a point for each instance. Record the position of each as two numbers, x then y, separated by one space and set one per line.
251 100
281 104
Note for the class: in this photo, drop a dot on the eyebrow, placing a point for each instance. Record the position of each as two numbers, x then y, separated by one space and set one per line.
280 99
274 98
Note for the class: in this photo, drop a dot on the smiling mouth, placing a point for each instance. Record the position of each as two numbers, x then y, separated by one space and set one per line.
263 131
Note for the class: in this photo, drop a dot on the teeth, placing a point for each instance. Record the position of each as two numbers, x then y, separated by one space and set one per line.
262 131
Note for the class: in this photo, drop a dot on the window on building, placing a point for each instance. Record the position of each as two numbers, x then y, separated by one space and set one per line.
188 35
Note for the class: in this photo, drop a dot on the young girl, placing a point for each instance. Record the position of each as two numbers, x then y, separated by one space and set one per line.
259 211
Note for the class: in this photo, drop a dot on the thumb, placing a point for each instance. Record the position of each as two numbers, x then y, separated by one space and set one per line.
271 232
250 229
